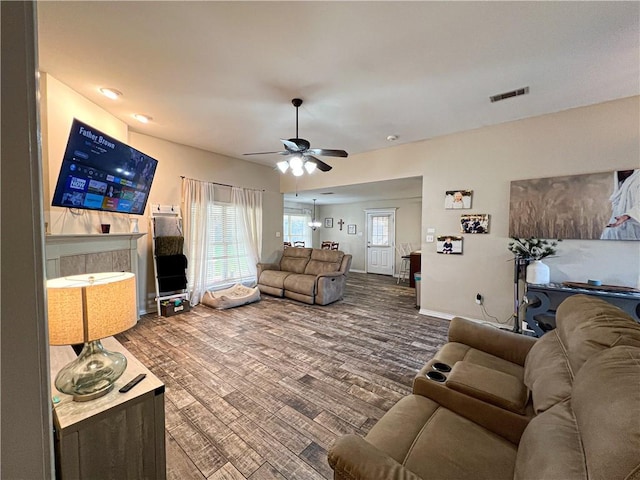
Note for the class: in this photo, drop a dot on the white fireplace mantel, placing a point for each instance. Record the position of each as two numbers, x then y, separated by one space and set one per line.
60 246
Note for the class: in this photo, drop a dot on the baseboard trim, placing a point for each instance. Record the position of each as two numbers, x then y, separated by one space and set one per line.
448 316
356 271
434 313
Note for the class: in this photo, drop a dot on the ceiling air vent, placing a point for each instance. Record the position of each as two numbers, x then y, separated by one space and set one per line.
512 93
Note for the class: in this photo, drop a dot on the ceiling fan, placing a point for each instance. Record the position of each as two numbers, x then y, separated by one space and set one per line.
301 154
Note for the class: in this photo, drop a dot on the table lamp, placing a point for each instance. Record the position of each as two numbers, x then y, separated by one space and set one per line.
84 309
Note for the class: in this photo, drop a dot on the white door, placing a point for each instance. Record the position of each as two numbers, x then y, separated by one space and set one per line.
381 233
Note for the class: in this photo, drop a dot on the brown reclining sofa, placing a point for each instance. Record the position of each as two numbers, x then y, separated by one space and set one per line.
497 405
309 275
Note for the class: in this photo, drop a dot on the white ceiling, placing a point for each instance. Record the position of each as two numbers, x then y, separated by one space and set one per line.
221 75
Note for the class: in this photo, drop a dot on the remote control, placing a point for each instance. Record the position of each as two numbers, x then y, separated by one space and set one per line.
132 383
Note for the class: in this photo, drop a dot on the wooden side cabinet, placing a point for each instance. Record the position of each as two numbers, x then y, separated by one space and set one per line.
118 436
415 266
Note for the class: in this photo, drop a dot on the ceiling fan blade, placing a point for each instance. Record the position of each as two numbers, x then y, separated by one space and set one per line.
328 153
323 167
266 153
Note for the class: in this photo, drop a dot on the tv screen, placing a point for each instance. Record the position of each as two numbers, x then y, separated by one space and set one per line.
101 173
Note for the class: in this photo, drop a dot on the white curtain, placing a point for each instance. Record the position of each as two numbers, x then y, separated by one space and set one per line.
248 205
196 197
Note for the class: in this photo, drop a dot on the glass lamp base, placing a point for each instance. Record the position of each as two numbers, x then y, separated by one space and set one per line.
92 374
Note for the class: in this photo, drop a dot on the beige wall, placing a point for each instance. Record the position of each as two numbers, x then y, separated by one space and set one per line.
60 105
584 140
408 221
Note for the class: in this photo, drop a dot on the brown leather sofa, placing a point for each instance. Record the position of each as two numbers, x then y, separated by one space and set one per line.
565 406
309 275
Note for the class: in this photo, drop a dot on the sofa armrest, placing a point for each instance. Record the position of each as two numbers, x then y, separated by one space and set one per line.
506 423
261 267
353 458
329 275
509 346
346 264
491 386
329 287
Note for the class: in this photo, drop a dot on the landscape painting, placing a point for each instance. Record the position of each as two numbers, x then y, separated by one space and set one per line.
589 206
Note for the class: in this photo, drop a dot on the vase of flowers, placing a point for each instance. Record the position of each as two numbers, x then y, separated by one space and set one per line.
534 250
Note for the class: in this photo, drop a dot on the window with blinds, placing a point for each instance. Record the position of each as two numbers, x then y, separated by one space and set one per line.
227 259
295 228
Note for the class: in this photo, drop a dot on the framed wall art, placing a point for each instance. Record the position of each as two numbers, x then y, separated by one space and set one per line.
449 244
589 206
351 229
474 223
457 199
328 223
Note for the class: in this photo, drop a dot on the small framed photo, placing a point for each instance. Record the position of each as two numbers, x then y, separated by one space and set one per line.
328 223
351 229
456 199
449 244
474 223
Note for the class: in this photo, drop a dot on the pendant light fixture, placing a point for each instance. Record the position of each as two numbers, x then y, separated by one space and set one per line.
314 223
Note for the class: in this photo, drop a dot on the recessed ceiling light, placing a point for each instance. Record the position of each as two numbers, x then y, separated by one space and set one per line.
392 138
142 118
111 93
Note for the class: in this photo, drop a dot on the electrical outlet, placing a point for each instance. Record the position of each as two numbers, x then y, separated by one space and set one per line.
479 299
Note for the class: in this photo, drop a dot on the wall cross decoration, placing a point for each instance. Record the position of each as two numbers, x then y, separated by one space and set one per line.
341 223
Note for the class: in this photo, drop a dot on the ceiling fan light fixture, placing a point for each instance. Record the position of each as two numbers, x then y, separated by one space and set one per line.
310 166
300 152
296 162
283 166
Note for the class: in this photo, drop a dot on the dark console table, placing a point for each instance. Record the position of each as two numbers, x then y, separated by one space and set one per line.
543 300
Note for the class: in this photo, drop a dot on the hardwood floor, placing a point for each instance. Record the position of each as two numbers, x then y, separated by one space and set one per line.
261 391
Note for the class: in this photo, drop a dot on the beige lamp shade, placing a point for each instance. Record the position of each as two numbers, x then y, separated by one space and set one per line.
83 308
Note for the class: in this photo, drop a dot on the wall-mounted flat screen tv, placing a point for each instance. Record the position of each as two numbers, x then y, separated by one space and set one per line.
101 173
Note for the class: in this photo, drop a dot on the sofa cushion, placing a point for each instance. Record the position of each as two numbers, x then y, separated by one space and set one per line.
606 405
295 260
434 442
324 261
596 432
550 447
273 278
299 283
587 324
547 372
